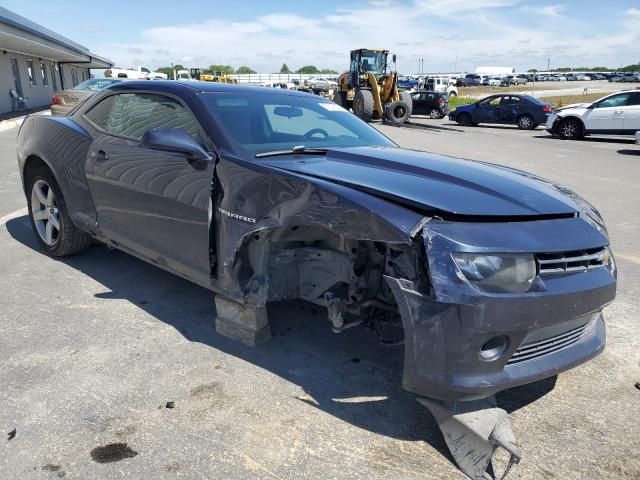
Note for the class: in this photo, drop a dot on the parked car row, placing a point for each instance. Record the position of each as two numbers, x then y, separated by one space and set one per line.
615 114
626 78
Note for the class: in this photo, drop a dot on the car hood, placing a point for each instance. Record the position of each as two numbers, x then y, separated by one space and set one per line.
433 184
574 106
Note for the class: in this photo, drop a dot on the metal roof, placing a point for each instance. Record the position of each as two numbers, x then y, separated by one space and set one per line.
24 24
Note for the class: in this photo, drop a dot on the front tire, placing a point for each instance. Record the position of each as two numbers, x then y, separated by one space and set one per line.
464 120
363 105
570 129
52 226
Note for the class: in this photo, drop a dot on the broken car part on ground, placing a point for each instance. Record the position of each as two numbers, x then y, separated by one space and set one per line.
490 276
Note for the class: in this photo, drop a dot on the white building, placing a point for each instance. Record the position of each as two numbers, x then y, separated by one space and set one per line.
495 71
34 62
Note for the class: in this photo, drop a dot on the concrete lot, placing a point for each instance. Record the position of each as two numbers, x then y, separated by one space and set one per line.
94 346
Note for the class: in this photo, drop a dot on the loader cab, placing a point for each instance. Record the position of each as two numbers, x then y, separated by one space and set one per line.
364 61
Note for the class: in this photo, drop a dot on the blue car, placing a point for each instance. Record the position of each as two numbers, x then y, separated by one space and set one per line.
406 83
525 111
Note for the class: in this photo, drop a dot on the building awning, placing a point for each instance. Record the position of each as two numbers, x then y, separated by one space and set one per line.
21 35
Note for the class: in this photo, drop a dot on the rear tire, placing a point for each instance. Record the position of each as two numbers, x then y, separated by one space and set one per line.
570 129
525 122
363 105
396 113
52 226
464 120
435 114
340 98
406 98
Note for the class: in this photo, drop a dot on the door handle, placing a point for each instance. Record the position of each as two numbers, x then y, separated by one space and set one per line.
100 155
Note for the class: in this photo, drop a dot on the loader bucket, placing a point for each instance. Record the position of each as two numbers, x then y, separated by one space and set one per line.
473 431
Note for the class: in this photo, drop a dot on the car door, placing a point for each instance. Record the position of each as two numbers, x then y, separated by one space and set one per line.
632 114
418 103
486 110
508 109
607 115
153 202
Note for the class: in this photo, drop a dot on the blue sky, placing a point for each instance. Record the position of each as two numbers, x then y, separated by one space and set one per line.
265 34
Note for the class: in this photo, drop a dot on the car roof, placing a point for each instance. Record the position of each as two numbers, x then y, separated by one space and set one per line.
177 87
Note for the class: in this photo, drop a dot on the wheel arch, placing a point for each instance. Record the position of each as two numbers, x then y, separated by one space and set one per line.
31 164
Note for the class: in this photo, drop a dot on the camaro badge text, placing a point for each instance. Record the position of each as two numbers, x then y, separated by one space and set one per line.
235 215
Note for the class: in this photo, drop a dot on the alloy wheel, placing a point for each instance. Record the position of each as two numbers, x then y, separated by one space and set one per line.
569 129
525 123
44 211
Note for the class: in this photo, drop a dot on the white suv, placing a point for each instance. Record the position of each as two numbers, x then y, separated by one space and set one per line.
615 114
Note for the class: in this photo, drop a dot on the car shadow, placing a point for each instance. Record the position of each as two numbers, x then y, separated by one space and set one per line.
498 127
625 151
622 141
350 376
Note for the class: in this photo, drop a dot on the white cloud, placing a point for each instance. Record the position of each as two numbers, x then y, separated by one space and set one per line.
634 12
498 32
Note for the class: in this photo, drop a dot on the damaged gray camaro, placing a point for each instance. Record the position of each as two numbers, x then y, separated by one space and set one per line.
491 277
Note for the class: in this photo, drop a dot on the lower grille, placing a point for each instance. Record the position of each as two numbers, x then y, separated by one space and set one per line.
529 351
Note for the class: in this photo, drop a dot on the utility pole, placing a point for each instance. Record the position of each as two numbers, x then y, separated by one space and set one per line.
455 67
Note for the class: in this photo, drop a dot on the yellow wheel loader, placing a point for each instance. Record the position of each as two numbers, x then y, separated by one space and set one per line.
370 88
210 76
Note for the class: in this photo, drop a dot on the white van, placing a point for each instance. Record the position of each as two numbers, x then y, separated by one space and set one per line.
439 84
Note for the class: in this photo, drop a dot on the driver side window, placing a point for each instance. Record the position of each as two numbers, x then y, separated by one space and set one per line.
131 115
614 101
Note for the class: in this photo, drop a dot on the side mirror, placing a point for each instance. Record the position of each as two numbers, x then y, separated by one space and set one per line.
174 140
394 58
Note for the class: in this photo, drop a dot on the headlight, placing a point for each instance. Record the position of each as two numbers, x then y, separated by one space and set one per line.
497 272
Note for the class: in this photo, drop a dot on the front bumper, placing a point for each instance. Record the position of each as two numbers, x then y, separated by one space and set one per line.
551 123
553 328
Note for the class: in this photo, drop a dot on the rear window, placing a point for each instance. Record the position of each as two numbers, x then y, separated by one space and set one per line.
533 99
94 84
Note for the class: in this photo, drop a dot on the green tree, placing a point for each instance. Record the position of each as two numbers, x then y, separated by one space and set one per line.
226 69
631 68
168 71
309 69
245 69
328 71
285 68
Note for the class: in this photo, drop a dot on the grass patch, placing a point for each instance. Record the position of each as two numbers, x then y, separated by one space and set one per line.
457 101
564 100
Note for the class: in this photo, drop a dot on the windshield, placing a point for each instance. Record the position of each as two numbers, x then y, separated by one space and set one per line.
257 122
94 84
373 62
